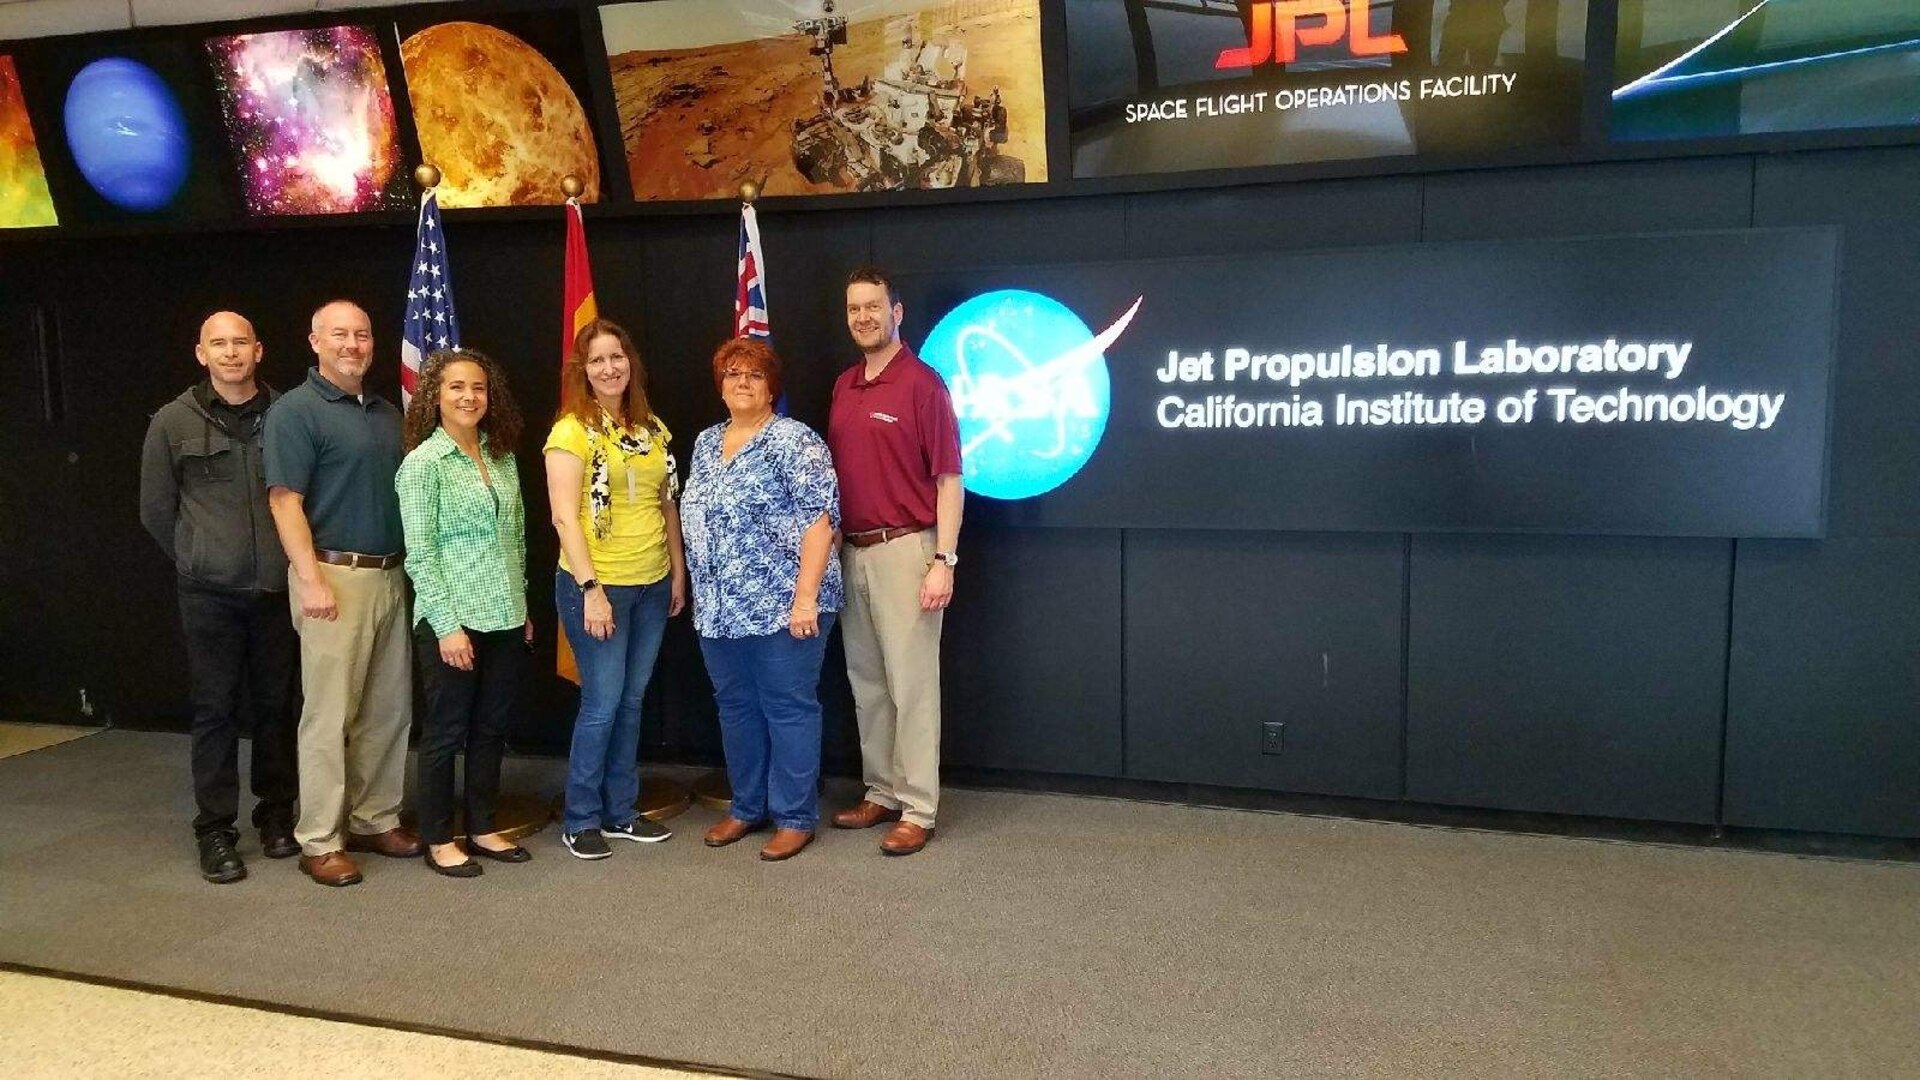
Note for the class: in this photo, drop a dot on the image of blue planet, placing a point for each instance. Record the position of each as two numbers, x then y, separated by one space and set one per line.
1030 389
128 134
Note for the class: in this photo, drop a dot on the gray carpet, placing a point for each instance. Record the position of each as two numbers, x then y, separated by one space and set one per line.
1038 936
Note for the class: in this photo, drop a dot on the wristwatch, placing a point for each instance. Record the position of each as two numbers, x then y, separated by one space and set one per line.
588 585
952 559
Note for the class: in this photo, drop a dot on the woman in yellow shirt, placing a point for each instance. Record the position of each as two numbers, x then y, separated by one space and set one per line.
612 484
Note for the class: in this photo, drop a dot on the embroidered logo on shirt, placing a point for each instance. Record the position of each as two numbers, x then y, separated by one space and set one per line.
888 417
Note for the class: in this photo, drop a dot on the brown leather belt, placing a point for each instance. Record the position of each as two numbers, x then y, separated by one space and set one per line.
872 537
356 561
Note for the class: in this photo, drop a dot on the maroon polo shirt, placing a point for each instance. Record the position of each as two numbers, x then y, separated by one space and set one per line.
891 437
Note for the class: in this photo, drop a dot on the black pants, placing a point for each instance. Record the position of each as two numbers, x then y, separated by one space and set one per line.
237 639
466 710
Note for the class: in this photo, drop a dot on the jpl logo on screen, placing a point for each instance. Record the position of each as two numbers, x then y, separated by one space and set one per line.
1275 32
1030 387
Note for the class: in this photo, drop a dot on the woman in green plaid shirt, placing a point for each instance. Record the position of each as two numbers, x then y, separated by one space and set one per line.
467 555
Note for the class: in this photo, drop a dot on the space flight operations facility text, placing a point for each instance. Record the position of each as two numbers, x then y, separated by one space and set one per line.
1464 383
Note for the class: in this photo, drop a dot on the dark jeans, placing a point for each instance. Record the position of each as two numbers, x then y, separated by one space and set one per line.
768 690
237 639
603 764
466 711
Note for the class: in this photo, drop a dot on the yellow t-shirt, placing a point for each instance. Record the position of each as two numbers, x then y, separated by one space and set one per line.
634 551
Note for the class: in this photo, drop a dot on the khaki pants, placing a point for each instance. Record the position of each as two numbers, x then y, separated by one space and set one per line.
355 672
893 662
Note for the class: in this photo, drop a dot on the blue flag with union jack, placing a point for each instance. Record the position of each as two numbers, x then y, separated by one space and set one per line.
750 295
750 298
430 321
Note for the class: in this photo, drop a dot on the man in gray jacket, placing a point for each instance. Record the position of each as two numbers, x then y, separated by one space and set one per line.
203 496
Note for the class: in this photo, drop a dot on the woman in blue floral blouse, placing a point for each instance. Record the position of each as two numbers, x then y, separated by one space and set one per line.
759 514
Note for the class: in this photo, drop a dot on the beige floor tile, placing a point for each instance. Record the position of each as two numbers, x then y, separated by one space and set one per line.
20 738
61 1028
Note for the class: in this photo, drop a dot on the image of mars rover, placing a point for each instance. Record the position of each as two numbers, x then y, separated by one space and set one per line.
916 126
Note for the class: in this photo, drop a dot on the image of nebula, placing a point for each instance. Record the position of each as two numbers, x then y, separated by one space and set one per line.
24 201
310 120
496 117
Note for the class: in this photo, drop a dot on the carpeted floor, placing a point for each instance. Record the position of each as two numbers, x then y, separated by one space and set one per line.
1038 936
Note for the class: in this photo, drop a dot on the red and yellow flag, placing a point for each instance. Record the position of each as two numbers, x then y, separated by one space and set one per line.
577 309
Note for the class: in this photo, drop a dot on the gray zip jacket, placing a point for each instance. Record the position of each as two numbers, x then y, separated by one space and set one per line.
203 495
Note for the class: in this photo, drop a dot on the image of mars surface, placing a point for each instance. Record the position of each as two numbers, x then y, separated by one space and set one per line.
24 201
496 117
709 99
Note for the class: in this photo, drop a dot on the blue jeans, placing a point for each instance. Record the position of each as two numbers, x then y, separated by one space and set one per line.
767 688
603 769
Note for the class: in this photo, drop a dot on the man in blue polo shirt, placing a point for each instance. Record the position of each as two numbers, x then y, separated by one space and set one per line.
331 452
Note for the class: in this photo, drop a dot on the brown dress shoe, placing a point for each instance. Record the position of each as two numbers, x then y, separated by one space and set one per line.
730 829
864 815
905 839
395 843
333 868
786 843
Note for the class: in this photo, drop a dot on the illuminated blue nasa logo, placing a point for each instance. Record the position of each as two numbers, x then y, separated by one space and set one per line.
1030 387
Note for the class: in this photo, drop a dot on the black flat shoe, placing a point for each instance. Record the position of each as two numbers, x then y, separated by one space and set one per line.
514 854
461 869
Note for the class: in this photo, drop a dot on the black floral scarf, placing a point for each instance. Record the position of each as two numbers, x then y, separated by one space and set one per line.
633 442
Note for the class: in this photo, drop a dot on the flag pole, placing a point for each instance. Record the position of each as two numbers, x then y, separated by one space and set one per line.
712 789
517 815
661 796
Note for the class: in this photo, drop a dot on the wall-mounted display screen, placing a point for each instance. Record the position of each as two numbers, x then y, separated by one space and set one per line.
24 200
128 130
1178 85
818 97
1643 385
1697 69
310 121
497 107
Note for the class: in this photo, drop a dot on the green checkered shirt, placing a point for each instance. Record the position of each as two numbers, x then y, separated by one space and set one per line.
466 542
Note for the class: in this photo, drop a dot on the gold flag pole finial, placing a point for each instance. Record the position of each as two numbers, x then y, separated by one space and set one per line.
571 186
427 176
749 191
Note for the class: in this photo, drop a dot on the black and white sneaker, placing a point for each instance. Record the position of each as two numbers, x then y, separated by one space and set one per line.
640 830
586 844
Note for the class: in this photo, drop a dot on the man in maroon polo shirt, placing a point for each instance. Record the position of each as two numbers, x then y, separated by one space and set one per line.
896 446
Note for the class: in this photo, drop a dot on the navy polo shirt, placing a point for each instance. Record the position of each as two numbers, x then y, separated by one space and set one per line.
339 452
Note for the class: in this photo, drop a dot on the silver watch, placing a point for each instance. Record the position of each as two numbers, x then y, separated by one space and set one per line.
952 559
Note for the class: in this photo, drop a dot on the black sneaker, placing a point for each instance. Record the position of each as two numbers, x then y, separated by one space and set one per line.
640 830
219 862
586 845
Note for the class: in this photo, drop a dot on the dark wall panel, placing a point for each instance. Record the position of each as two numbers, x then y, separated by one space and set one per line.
1228 631
1352 213
997 234
1569 675
1031 652
1874 481
1823 713
1591 200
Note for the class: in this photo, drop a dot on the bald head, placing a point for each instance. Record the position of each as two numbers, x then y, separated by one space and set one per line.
334 310
231 354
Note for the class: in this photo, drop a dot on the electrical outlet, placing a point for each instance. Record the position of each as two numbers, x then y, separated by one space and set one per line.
1270 737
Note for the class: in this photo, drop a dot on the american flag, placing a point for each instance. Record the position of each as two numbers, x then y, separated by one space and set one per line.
750 298
430 322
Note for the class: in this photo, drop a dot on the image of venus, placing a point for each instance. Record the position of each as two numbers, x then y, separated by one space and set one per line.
496 117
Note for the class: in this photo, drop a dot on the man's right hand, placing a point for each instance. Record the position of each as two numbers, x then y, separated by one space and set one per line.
316 600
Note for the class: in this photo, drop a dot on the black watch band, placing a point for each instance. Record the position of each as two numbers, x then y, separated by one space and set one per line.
588 584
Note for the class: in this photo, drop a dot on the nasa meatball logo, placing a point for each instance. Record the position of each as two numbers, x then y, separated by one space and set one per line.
1030 388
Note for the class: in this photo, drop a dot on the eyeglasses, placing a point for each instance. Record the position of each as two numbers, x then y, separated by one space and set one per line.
749 374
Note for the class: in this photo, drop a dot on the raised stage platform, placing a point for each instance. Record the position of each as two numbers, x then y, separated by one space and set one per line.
1039 935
